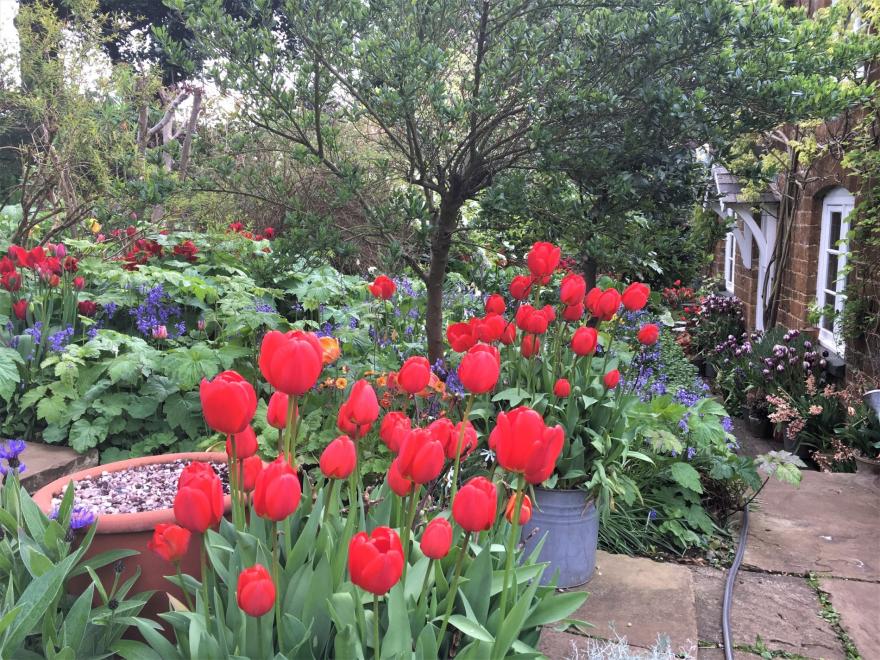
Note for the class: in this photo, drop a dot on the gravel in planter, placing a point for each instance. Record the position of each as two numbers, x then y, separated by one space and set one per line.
134 490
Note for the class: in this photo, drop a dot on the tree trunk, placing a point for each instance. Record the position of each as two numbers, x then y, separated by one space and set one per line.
590 270
441 242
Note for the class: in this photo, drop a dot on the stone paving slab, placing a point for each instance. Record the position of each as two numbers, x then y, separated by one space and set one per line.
46 463
858 604
830 524
718 654
782 610
636 598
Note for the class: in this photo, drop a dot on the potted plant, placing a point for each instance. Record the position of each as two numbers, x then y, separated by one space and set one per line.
862 434
564 359
127 500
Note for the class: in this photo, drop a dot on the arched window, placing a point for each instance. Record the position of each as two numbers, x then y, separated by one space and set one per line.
729 261
831 273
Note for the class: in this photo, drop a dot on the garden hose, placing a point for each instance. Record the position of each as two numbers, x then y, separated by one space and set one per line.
728 587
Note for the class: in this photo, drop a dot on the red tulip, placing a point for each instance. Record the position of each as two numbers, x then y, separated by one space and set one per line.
521 286
649 334
345 424
382 287
495 304
170 542
461 336
635 296
245 443
509 334
525 509
339 458
607 304
573 313
591 299
572 289
256 591
228 402
414 375
542 260
530 346
6 265
525 445
400 485
11 281
480 368
248 471
277 491
475 505
54 281
611 379
421 456
562 388
375 561
198 504
531 320
490 328
450 436
584 341
394 429
79 282
436 539
19 308
71 265
291 362
276 413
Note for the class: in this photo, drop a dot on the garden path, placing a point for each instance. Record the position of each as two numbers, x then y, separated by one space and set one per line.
809 586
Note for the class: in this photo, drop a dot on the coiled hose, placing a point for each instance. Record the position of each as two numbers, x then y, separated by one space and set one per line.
728 587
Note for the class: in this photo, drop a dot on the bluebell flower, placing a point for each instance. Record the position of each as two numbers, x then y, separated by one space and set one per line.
12 449
58 340
727 424
413 313
683 424
110 309
691 452
36 332
79 516
652 515
352 323
262 307
408 331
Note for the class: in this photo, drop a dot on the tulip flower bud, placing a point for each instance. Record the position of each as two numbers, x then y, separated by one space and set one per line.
475 505
170 542
256 591
436 539
525 510
375 561
339 458
277 492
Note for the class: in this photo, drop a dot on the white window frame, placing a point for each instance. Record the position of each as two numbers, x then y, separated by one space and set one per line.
729 262
839 200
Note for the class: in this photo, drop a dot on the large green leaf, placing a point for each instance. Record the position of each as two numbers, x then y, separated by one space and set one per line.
85 434
471 628
686 476
9 376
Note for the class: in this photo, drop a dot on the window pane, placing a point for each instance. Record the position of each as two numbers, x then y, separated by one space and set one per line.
831 275
826 323
836 219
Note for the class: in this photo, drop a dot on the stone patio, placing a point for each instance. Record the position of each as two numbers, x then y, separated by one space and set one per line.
830 527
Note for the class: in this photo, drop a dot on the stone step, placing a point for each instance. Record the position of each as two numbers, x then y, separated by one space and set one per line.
46 463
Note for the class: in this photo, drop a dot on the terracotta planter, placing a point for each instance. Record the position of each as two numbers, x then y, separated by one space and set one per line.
865 465
132 531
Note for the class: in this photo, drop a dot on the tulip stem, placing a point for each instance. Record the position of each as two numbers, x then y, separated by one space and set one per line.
453 590
424 589
237 517
292 429
410 518
464 421
204 557
276 569
183 588
511 544
377 645
327 501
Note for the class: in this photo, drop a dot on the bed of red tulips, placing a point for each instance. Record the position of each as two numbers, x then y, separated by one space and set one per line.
293 570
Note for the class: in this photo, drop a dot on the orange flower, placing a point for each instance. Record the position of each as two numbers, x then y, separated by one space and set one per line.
381 381
341 383
329 349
